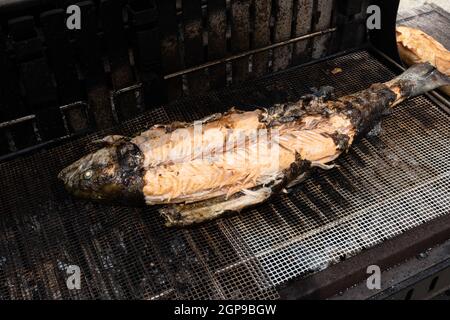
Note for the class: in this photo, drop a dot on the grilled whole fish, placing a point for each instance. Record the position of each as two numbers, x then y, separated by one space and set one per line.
227 162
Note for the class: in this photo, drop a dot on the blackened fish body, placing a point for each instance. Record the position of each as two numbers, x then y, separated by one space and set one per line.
227 162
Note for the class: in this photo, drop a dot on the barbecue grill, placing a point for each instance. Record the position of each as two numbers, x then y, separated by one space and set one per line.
138 63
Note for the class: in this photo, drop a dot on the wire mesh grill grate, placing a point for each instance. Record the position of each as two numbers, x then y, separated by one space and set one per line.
387 184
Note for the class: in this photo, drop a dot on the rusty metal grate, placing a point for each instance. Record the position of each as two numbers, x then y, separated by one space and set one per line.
388 183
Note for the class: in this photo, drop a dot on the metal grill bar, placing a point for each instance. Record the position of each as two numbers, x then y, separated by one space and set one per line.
388 183
248 53
86 117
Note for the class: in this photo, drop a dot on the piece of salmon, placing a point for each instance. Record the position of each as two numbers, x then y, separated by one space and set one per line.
227 162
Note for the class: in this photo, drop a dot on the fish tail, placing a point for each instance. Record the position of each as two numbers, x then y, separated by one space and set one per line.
416 80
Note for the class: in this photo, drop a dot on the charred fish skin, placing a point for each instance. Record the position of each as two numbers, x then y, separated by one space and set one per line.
158 166
366 107
112 173
416 80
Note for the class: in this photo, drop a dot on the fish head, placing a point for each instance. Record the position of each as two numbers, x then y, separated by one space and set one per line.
114 172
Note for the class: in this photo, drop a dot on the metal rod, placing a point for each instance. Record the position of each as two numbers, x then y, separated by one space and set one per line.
15 121
48 143
73 105
247 53
126 89
16 5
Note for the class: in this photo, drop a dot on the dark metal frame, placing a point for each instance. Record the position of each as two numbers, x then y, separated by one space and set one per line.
342 275
426 283
384 39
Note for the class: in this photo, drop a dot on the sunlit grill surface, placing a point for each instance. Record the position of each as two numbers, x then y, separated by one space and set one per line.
387 184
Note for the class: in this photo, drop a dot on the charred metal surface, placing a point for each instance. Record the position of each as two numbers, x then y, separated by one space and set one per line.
261 37
304 14
384 38
217 42
347 273
282 31
323 18
423 275
240 26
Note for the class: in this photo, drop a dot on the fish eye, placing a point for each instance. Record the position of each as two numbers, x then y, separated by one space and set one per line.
88 174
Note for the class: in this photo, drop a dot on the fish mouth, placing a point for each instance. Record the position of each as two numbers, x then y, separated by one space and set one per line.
62 175
69 178
66 175
70 174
